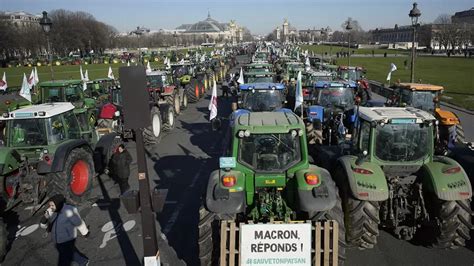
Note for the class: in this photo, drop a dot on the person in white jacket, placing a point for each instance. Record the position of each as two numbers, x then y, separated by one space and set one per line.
63 221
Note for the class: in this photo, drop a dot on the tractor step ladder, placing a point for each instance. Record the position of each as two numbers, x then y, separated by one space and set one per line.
324 247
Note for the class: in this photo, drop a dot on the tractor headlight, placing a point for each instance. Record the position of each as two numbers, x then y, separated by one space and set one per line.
294 133
247 133
300 132
241 134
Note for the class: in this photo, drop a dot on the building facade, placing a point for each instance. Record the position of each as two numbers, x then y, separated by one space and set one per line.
20 19
466 16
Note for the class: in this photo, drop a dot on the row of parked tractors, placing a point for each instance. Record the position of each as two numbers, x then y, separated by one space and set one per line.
59 142
366 166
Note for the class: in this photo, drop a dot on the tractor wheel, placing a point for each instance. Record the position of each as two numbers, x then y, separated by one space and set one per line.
173 100
3 239
193 92
337 214
75 181
205 81
168 117
361 217
454 223
460 138
208 240
152 134
313 135
202 90
184 100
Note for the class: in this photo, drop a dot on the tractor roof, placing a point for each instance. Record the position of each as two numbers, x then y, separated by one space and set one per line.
60 83
312 72
261 86
156 73
45 110
420 87
351 68
334 84
268 122
401 114
258 65
259 72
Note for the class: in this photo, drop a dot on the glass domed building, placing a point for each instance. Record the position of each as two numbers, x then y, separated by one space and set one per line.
211 28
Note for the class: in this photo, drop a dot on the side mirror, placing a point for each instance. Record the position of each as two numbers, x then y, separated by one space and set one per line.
361 159
216 124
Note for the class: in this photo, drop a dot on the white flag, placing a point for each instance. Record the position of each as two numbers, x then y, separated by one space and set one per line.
31 79
110 75
181 61
241 77
148 67
168 64
25 89
3 83
299 91
213 102
86 75
82 74
128 63
37 80
203 58
307 64
393 67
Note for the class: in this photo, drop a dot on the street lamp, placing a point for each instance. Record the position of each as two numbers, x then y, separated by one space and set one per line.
46 24
414 15
349 28
175 35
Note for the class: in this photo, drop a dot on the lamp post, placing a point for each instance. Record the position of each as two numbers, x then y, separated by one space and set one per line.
175 35
414 15
138 32
46 24
349 28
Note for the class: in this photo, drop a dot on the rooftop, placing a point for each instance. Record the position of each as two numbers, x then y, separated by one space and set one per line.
389 113
35 111
283 120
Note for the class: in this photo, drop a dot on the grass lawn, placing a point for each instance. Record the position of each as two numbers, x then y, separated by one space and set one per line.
320 49
15 74
455 74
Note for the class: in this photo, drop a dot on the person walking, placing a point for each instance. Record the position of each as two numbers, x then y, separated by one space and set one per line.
63 221
121 161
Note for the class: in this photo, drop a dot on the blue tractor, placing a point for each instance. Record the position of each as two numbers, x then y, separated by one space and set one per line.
330 116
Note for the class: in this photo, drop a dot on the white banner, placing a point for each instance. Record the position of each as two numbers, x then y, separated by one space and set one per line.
275 244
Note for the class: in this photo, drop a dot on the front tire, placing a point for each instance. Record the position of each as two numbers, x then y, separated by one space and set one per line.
75 181
168 118
184 101
454 224
208 240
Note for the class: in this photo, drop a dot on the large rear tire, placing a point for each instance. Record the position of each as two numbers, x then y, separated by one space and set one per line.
75 181
184 101
313 135
454 223
173 100
168 117
208 240
460 138
152 134
193 91
337 214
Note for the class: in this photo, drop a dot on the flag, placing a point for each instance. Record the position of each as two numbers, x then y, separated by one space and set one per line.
213 102
148 67
37 80
128 63
3 82
86 75
298 91
307 64
110 75
25 89
393 67
181 61
82 74
203 58
241 77
31 79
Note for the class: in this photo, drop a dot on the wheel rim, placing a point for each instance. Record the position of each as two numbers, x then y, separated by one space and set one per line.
176 104
171 118
80 177
156 125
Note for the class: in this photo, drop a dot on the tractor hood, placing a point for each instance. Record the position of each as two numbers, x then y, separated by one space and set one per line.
10 160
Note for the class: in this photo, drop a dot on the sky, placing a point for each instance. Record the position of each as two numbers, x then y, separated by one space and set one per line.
260 16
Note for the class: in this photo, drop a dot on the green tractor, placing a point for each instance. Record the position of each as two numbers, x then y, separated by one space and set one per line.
186 79
266 176
391 178
98 90
68 91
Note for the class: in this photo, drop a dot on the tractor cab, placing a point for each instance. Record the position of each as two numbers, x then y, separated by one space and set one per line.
258 67
33 130
259 97
309 78
98 89
156 80
334 95
260 57
351 73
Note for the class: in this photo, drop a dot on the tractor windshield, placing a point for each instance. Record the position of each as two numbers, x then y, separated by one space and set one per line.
155 81
259 79
53 94
336 97
26 132
73 93
419 99
402 142
270 152
262 100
